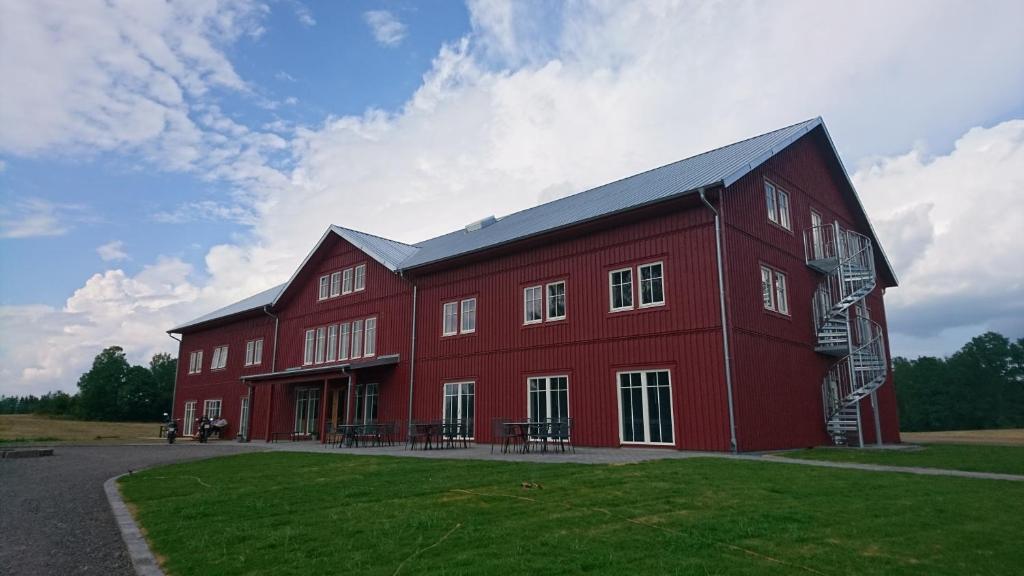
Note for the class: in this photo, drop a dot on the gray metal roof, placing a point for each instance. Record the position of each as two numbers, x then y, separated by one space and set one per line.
722 166
719 167
251 303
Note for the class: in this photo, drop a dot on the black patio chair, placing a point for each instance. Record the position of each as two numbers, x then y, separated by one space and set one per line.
538 433
419 432
561 432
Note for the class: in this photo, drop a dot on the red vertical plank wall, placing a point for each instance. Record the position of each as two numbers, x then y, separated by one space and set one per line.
778 373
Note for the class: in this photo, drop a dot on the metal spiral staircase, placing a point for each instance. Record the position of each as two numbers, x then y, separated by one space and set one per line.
843 326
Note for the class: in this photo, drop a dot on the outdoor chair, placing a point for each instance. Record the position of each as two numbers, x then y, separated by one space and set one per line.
419 432
537 433
503 433
561 432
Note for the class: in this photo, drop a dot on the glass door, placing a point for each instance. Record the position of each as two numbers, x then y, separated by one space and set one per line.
458 403
307 410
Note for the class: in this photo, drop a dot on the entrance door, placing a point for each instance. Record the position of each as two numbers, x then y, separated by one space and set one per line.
307 410
458 403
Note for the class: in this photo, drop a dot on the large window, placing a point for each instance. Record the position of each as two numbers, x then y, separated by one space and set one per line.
211 409
556 300
321 344
370 338
190 418
360 280
458 403
195 362
343 348
548 398
777 204
357 339
332 342
307 410
253 352
774 291
310 347
533 311
645 407
468 324
652 288
366 404
621 289
243 418
220 358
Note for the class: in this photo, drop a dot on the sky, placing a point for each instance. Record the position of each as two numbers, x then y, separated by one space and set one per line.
160 160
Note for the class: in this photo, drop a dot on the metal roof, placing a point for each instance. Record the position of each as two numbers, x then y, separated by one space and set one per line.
719 167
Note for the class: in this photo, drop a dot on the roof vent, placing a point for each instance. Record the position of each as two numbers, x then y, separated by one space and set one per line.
484 223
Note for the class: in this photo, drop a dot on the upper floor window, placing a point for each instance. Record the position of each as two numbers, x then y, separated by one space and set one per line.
332 343
310 347
360 280
370 337
533 310
621 289
253 352
777 203
346 281
195 362
450 312
325 287
220 358
357 339
774 291
321 341
652 289
346 341
335 284
556 300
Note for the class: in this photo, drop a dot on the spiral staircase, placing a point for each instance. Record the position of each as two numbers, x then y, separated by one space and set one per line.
843 326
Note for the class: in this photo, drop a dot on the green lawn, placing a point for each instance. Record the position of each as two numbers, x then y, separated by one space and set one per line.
286 513
975 458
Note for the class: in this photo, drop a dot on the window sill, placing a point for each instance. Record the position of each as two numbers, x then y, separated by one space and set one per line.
776 314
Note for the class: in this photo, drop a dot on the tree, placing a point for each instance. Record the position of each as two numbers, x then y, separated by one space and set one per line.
100 387
164 369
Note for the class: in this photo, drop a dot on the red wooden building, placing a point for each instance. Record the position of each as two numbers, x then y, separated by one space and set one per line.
732 300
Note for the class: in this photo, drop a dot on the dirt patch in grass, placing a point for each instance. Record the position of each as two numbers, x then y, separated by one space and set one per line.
1008 437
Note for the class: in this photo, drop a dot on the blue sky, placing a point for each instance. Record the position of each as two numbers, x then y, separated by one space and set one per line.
161 160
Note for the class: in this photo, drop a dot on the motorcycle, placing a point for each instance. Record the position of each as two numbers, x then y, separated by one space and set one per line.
205 427
172 428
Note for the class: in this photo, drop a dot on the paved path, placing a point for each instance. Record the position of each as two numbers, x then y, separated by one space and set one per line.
902 469
54 516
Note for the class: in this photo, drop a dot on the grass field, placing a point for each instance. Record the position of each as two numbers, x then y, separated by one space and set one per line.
1006 437
973 458
31 428
288 513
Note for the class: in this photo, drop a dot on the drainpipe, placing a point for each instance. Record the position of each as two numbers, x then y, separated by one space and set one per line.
412 355
174 392
248 414
273 368
273 358
725 328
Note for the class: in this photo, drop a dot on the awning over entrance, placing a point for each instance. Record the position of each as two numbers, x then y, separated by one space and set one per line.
323 371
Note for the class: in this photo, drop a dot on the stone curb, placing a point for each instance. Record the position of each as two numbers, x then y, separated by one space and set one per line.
25 452
143 561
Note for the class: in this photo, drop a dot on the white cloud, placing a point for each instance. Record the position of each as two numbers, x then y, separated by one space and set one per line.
207 210
303 14
112 251
35 217
528 108
387 29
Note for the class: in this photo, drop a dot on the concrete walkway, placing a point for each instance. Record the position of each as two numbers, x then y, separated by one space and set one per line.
886 468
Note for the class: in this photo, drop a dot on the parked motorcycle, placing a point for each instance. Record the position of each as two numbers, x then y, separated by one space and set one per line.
171 426
204 428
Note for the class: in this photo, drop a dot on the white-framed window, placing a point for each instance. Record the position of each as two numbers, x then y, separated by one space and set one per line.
321 341
346 281
309 349
190 418
817 238
307 410
243 417
556 300
458 406
254 352
774 290
211 409
357 339
450 314
533 305
620 289
332 342
548 398
220 358
343 347
366 403
195 362
370 337
645 407
325 287
335 284
777 204
652 284
360 278
468 322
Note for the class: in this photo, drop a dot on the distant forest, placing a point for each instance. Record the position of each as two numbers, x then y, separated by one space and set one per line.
111 390
980 386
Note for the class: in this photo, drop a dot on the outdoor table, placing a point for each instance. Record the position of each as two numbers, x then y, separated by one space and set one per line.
520 430
347 434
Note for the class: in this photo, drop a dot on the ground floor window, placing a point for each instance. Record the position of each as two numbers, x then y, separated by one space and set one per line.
211 409
458 403
366 404
645 407
307 410
243 418
548 398
190 418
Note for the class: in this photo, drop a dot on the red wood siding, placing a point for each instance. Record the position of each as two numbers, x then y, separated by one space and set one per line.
777 372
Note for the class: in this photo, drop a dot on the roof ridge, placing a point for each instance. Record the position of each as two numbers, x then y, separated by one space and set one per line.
375 236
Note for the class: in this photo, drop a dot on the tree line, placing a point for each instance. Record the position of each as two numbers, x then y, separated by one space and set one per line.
980 386
111 390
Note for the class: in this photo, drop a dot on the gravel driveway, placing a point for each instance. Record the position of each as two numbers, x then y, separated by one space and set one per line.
54 516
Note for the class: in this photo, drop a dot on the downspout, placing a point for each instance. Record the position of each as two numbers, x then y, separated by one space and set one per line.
412 356
273 357
725 327
174 392
273 368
